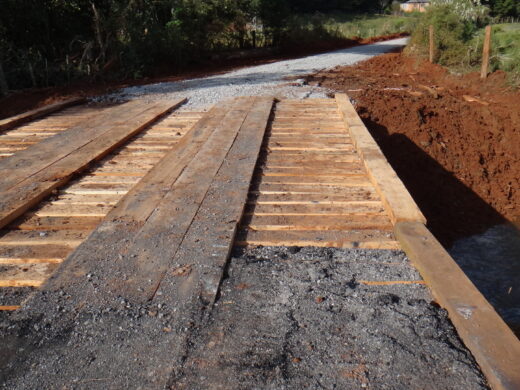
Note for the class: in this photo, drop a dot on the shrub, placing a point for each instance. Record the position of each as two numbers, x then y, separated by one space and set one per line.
455 23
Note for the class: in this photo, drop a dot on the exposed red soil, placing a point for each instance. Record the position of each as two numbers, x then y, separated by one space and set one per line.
29 99
459 159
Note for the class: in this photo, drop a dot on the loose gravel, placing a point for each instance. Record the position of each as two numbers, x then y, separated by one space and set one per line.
301 319
286 318
263 80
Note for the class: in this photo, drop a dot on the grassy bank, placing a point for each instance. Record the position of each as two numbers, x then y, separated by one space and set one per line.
506 49
343 26
459 38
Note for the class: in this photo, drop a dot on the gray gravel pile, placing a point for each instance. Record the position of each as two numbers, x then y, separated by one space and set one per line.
301 319
262 80
286 318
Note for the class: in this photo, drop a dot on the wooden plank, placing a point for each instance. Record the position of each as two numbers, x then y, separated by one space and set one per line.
485 53
26 275
320 223
315 180
9 308
363 208
329 239
312 165
280 172
490 340
80 199
70 238
18 197
9 123
31 260
398 201
61 222
315 197
42 253
312 188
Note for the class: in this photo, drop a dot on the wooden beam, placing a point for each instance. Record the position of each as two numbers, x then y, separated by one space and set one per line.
396 198
366 239
9 123
432 44
40 169
492 343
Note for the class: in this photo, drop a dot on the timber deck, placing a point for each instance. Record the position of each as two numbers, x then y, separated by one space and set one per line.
32 247
143 203
311 187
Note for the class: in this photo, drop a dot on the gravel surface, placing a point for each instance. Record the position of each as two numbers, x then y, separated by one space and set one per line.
269 79
302 319
286 318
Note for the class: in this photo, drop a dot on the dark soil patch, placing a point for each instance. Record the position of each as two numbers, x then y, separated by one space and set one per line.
21 101
459 159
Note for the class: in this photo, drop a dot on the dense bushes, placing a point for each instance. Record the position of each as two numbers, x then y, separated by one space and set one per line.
48 42
455 23
459 36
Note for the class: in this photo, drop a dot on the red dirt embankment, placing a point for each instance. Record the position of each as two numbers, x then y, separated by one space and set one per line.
454 141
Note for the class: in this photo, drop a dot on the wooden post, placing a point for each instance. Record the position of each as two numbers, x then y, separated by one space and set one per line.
432 49
485 53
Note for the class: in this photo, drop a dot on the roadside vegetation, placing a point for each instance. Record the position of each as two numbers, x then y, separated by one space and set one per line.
348 26
53 42
459 36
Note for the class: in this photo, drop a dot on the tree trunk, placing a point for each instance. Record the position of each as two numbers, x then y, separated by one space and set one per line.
3 82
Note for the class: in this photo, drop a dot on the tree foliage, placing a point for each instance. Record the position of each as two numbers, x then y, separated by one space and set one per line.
46 42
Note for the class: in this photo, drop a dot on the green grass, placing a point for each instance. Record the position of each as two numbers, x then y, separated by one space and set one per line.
505 54
505 50
366 26
351 26
459 43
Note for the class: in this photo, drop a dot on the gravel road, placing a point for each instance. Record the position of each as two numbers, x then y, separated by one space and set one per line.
269 79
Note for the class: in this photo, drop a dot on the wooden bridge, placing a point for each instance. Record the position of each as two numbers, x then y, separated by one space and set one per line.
134 192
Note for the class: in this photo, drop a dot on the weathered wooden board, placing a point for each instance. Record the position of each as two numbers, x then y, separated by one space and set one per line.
349 239
397 199
38 170
9 123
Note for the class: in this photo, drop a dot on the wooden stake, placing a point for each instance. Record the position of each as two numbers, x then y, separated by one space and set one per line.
485 53
431 44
